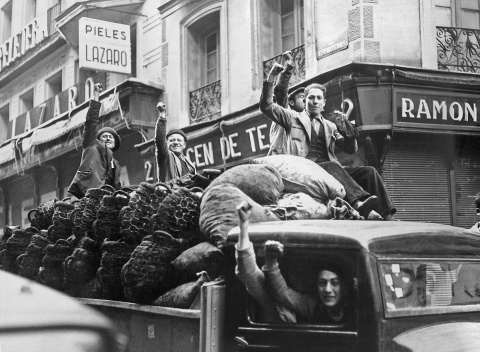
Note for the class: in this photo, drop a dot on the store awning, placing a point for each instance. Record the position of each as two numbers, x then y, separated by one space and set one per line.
7 152
118 11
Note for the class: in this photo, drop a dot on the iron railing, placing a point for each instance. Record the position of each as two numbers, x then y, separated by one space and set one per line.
458 49
298 74
206 102
52 13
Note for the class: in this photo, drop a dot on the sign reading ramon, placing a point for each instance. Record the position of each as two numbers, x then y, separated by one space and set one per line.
104 46
437 110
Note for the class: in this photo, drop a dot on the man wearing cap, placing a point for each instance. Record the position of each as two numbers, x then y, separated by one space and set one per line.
97 166
171 163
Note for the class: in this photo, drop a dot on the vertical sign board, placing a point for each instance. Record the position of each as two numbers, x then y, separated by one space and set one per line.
104 46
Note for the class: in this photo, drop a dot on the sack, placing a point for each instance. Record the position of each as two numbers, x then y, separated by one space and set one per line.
301 206
303 175
202 257
262 183
218 212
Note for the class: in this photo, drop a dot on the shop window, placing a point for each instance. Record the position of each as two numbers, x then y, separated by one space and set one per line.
26 102
6 22
4 118
53 85
458 34
203 68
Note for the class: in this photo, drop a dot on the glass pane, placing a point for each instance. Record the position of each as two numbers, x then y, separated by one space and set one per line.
425 286
470 19
446 3
288 42
288 24
212 60
211 42
469 4
287 6
211 76
443 16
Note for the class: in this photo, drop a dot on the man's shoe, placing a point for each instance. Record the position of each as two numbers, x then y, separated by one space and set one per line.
366 206
374 216
390 217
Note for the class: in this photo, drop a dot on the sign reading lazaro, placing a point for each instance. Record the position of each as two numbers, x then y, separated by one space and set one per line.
104 46
436 110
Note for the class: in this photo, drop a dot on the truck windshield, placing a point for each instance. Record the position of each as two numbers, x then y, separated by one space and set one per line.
429 287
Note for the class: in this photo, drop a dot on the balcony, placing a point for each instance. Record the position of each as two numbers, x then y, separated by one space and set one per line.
205 103
458 49
298 74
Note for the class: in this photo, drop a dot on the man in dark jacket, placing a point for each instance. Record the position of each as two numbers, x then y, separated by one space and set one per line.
97 167
171 163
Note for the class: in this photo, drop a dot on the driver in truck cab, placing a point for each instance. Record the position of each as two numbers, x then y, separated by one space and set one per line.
279 302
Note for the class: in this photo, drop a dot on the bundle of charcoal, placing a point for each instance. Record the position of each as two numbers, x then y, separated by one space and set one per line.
179 215
7 233
114 255
148 273
53 273
61 227
16 245
85 211
81 266
41 217
31 261
183 295
107 225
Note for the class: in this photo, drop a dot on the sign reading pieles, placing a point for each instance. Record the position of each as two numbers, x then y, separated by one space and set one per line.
104 46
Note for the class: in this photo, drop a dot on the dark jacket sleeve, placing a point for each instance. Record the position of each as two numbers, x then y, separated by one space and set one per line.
91 127
349 145
280 91
275 112
161 149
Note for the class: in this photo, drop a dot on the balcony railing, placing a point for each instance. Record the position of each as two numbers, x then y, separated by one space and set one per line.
298 74
52 13
458 49
205 103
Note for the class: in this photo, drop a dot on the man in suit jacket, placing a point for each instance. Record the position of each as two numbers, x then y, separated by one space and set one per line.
315 138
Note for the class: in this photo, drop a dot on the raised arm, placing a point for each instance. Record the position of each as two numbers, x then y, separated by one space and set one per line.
161 149
280 91
92 120
347 144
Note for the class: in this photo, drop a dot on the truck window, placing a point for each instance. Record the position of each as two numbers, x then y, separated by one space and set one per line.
320 289
430 287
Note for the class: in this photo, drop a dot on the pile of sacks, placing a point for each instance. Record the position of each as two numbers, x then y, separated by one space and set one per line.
158 243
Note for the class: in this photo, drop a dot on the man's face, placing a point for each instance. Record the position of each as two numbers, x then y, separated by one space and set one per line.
297 102
176 143
315 101
107 139
330 288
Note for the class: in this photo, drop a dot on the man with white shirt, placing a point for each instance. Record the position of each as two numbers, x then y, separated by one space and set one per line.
315 138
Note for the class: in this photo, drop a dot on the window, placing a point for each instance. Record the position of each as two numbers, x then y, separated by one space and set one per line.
458 13
211 58
25 102
30 11
292 26
53 85
6 22
4 118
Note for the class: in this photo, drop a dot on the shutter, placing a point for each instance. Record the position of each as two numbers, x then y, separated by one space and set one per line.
467 181
417 179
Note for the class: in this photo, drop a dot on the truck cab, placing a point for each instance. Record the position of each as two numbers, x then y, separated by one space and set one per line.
411 286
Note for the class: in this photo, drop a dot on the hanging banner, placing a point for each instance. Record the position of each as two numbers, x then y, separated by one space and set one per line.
104 46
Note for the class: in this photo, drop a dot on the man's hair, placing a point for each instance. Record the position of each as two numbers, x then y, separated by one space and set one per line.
317 86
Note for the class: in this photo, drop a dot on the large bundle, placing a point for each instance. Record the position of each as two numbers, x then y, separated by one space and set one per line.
31 261
16 245
106 224
202 257
301 206
81 266
52 273
61 227
149 273
184 295
179 216
218 213
262 183
85 211
114 255
41 217
303 175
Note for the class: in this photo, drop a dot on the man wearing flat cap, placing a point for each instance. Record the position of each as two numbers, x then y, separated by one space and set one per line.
97 166
171 163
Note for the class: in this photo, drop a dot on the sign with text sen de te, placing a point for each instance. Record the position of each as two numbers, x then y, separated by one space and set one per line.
104 46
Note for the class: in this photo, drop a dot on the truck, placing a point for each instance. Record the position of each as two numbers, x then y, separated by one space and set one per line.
414 287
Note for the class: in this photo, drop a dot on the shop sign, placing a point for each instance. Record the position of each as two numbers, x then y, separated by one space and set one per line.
329 44
15 47
238 142
104 46
439 110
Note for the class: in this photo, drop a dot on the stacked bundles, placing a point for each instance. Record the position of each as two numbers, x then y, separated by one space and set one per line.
61 227
16 245
106 224
31 261
41 217
53 273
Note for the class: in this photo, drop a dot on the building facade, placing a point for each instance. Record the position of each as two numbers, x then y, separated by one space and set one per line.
404 71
